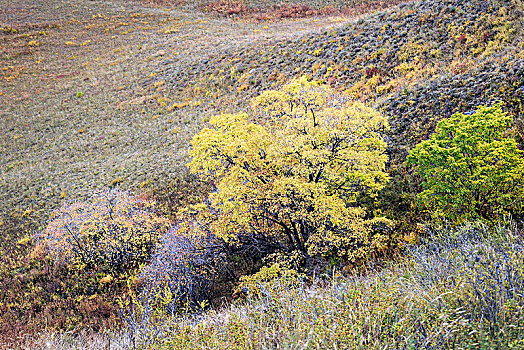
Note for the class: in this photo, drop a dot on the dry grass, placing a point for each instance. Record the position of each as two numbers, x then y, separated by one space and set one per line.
278 10
77 114
83 107
462 289
77 341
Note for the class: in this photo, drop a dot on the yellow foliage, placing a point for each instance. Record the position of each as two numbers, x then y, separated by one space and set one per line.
106 279
263 280
292 171
24 241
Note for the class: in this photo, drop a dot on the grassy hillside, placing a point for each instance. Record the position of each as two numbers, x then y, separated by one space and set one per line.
461 290
418 63
109 93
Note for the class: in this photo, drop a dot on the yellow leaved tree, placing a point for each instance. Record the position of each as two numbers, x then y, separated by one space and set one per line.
289 173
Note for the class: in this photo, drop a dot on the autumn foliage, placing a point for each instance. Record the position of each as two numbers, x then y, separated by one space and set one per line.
289 174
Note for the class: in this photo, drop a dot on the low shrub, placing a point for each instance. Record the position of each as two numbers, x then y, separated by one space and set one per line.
257 283
226 7
183 269
112 231
179 279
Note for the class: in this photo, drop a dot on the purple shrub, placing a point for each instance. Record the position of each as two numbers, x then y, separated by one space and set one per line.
183 269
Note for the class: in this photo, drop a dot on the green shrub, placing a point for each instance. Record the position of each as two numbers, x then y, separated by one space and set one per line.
471 168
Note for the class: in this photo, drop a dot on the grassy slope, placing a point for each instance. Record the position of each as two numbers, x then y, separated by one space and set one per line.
461 290
149 75
53 144
416 64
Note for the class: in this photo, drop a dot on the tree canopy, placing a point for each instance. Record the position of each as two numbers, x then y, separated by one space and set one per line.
471 167
288 174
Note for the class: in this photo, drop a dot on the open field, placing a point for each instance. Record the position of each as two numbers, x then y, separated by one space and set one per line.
78 113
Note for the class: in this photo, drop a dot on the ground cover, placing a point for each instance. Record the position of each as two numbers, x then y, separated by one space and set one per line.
460 289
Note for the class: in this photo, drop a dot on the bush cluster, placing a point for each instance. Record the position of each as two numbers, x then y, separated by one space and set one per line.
111 231
288 180
256 285
184 268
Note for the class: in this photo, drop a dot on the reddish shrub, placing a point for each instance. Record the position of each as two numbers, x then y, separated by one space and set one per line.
226 7
112 231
